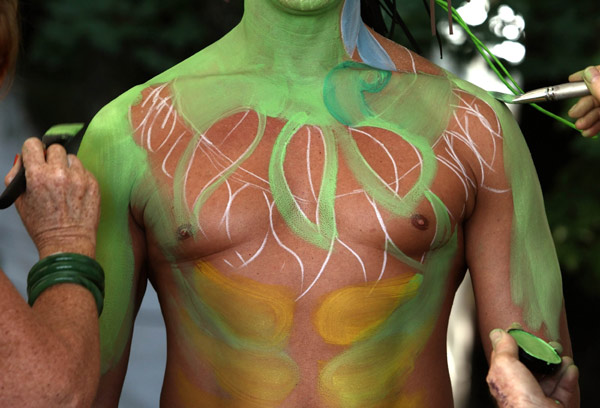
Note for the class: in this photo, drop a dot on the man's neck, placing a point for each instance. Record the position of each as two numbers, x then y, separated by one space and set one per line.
298 45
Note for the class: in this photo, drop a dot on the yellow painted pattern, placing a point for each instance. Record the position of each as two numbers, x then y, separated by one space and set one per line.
382 350
351 313
254 311
244 341
371 374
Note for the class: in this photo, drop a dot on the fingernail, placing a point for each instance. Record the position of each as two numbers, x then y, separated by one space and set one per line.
16 159
591 74
556 346
495 336
515 325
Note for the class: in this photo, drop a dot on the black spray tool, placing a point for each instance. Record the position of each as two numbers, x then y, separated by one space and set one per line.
67 135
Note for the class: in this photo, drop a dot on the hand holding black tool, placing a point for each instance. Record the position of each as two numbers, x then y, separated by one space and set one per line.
512 383
67 135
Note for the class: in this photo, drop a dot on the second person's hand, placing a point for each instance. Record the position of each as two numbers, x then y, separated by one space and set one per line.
587 110
60 208
513 385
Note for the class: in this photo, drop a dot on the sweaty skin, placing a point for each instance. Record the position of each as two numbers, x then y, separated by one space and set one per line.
305 196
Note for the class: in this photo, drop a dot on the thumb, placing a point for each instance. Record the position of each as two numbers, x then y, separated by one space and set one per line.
503 343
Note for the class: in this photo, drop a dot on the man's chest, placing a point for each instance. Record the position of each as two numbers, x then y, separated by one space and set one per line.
251 184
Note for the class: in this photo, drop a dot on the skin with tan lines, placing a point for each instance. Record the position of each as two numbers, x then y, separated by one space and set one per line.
306 196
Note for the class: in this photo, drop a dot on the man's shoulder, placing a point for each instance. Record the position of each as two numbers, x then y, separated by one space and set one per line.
406 60
494 116
112 119
433 77
108 145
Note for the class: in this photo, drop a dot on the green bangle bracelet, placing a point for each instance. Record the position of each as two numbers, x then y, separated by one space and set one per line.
66 277
85 269
80 261
72 275
67 268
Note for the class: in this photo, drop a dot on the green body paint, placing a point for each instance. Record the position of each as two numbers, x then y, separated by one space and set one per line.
112 156
373 370
535 280
322 233
179 151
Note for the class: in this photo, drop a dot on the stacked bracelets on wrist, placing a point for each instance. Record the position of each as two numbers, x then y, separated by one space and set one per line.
66 268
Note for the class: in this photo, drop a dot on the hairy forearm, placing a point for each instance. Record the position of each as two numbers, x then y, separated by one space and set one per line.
49 353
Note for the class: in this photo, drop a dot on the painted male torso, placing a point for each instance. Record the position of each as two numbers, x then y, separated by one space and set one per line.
304 233
254 311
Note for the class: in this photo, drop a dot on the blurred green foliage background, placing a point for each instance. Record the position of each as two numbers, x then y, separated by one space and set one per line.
79 54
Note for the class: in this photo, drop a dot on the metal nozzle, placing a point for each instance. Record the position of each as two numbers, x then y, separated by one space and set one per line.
554 93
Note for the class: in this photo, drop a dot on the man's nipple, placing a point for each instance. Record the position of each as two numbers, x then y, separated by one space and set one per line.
419 221
184 232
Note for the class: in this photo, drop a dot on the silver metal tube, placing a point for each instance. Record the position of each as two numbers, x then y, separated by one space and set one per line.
554 93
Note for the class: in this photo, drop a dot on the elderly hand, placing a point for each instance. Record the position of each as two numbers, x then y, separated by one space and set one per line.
60 208
587 109
513 385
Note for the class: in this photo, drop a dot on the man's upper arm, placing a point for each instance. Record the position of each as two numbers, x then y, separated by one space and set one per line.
509 248
109 152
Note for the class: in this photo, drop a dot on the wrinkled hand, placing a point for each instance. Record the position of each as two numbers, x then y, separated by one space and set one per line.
587 109
60 208
513 385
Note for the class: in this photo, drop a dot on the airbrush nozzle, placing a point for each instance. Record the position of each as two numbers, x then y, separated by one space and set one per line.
550 93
